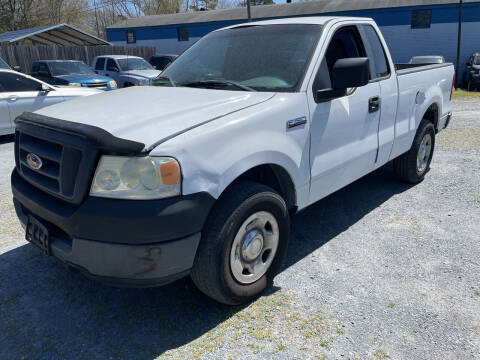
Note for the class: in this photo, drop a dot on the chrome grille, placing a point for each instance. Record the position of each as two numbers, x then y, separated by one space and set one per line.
97 85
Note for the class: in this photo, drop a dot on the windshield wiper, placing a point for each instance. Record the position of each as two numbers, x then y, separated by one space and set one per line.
217 82
166 77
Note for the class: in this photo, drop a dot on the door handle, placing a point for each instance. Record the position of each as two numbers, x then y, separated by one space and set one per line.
374 104
12 98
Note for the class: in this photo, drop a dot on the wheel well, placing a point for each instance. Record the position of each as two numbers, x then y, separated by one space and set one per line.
432 115
275 177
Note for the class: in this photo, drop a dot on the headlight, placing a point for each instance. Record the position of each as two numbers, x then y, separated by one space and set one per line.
143 82
112 83
74 84
137 178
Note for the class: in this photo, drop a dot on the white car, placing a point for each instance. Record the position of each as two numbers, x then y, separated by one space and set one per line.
20 93
200 173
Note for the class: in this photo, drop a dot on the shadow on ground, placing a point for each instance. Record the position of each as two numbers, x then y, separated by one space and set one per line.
48 312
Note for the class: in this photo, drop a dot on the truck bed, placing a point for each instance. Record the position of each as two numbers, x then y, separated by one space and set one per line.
403 68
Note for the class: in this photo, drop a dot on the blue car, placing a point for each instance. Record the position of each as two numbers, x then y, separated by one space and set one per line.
72 73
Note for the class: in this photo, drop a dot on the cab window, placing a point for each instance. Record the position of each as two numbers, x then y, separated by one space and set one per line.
378 59
100 64
345 43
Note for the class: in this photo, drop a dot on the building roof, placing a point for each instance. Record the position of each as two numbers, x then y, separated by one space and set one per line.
274 11
61 34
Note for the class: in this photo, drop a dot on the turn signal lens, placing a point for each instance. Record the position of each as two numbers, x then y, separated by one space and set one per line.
170 173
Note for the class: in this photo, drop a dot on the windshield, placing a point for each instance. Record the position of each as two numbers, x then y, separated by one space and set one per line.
134 64
426 60
261 58
3 65
59 68
476 60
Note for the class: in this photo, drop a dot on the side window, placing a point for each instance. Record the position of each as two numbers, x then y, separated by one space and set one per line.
17 83
111 65
345 43
43 69
100 64
378 59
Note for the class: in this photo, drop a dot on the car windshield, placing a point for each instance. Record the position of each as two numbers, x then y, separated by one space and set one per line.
259 58
59 68
426 60
3 65
134 64
476 60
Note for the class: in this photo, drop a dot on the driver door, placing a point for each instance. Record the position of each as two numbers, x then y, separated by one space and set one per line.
344 130
112 69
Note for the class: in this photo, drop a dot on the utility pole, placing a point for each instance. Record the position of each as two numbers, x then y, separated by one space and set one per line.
459 41
249 11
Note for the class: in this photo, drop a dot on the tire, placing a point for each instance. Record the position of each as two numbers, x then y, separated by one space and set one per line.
406 165
469 85
217 263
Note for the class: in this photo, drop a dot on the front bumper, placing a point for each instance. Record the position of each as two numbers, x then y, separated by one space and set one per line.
119 242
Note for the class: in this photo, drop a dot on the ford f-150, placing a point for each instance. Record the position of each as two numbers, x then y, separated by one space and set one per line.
199 174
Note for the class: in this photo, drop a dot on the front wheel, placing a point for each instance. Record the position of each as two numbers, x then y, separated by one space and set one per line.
243 244
415 163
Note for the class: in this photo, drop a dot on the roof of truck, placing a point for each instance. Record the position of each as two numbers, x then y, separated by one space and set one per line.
315 20
119 56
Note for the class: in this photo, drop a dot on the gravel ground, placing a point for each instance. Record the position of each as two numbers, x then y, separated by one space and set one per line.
378 270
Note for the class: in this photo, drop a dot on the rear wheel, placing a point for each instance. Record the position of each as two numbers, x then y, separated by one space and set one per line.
243 244
414 164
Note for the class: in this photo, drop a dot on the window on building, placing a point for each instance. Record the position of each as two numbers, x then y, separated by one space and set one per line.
131 37
421 19
182 33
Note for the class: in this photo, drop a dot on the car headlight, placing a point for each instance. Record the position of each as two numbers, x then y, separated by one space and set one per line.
143 82
137 178
74 84
112 84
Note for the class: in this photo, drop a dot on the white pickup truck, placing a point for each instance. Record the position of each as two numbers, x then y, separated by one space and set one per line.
199 174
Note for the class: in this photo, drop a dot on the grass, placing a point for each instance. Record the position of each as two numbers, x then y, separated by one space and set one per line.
461 94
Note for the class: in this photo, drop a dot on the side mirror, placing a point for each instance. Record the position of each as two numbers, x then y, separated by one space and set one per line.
45 89
469 64
346 73
17 68
112 68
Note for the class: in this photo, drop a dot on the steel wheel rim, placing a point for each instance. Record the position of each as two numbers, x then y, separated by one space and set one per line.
254 247
424 152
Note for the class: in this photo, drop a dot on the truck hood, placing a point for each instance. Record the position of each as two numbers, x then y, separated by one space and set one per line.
83 78
147 74
150 114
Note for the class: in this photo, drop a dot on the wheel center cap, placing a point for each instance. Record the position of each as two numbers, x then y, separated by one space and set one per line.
252 245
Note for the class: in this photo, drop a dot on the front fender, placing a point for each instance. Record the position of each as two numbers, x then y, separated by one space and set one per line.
214 155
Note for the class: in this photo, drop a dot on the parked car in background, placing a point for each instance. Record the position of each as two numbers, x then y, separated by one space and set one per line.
160 62
20 93
428 59
472 75
72 73
200 173
125 70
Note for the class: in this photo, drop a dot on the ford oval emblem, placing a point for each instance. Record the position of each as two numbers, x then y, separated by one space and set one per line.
34 161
